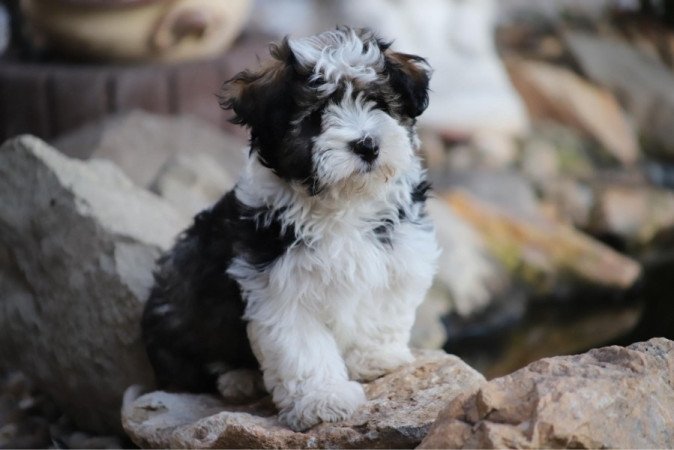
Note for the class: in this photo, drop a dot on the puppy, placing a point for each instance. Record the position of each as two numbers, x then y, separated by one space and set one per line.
312 267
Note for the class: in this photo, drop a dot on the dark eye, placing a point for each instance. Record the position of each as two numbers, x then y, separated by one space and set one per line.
315 82
380 103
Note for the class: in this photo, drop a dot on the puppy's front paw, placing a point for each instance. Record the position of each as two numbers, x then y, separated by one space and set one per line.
332 403
366 365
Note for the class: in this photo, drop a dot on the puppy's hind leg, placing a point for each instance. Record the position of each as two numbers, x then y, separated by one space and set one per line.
240 385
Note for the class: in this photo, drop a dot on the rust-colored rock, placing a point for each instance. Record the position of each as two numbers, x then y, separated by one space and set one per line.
542 251
612 397
401 407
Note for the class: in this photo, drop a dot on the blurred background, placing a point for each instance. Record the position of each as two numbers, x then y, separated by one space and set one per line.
549 140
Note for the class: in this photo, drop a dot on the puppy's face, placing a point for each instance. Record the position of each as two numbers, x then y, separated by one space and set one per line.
333 111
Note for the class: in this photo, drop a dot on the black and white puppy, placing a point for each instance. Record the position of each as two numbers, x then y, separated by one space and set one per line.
312 267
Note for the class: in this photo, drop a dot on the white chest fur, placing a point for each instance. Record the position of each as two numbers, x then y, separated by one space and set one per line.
339 303
339 269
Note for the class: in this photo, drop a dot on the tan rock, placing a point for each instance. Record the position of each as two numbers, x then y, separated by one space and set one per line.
573 199
401 407
541 251
636 213
612 397
644 83
552 92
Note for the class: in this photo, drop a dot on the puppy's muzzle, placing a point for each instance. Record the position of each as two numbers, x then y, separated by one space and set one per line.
367 148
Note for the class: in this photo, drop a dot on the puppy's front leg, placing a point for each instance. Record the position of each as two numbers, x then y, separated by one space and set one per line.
373 356
303 370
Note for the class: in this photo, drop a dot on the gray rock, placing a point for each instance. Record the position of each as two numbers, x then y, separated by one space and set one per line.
506 189
400 408
192 182
611 397
141 143
77 246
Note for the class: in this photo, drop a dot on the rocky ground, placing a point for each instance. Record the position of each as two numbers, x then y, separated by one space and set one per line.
30 419
601 399
400 409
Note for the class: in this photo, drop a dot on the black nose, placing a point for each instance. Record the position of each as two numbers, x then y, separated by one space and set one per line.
366 148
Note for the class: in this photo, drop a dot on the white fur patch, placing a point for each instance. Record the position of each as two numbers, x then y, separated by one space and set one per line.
335 55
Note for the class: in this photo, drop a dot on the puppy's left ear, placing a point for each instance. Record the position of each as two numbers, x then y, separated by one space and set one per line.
409 76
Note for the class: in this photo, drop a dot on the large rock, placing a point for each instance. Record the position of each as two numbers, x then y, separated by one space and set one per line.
401 407
77 247
612 397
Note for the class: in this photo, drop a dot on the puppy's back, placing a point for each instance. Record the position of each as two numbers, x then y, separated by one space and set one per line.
192 324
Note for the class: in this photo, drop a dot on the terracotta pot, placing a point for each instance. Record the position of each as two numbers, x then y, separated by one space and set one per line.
137 30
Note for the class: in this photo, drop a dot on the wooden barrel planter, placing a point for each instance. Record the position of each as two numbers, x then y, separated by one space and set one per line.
47 99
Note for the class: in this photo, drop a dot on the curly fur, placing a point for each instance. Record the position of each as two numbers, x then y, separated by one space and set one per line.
312 267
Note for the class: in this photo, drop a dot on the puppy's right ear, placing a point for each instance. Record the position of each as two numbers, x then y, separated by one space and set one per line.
409 76
263 97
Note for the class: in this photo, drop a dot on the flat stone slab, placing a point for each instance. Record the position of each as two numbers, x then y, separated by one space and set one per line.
401 408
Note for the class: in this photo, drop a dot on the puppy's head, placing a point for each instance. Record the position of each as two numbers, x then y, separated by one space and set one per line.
333 110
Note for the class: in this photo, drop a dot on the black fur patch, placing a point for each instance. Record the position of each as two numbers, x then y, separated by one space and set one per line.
409 81
384 231
268 101
193 318
420 192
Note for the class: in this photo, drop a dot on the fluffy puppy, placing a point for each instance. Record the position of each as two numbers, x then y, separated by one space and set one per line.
312 267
